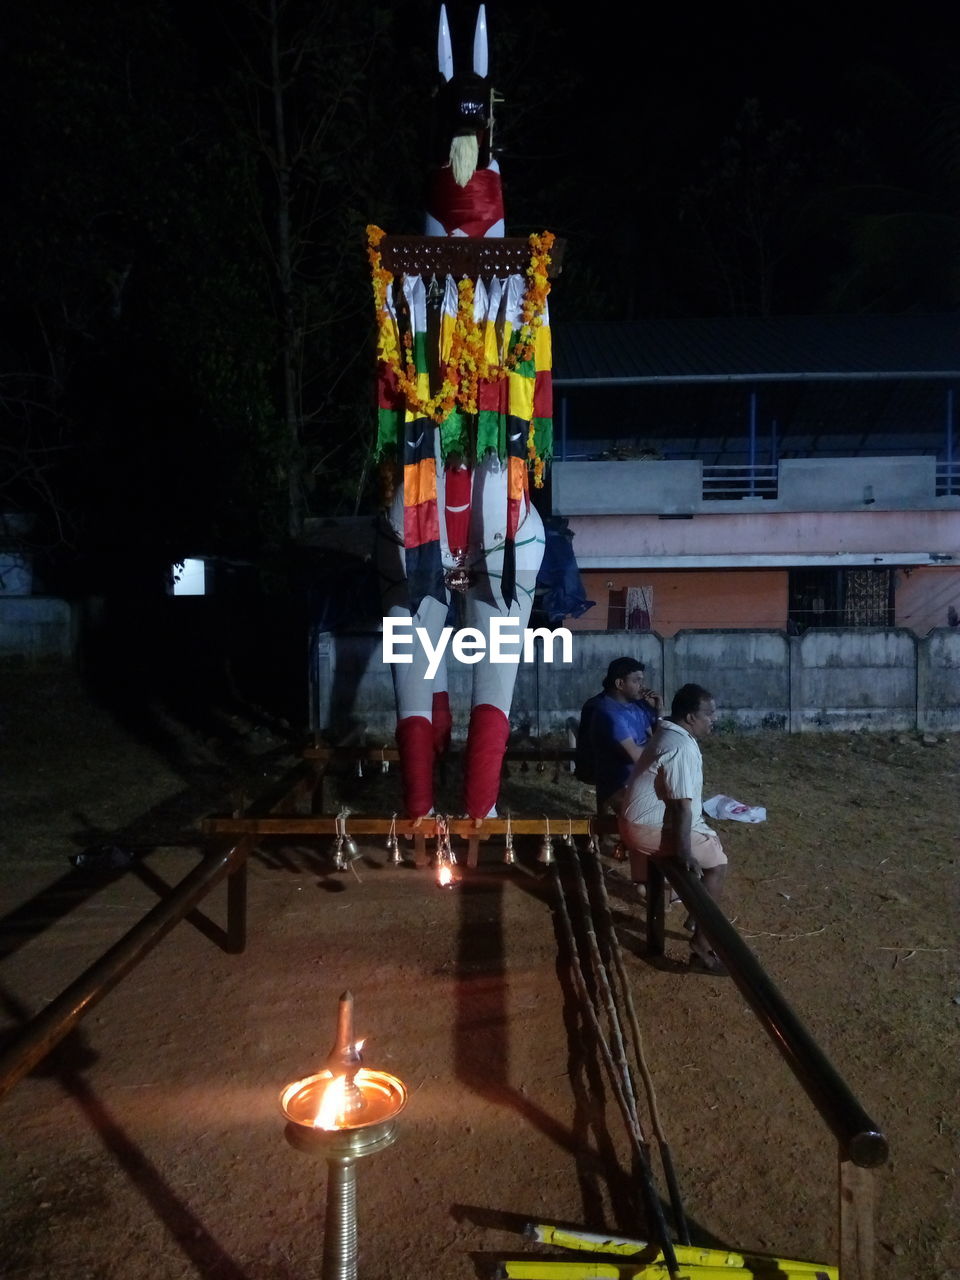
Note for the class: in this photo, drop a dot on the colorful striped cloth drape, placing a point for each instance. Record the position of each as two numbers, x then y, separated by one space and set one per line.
513 403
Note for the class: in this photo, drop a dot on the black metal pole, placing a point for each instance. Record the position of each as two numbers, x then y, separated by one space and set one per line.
860 1140
63 1013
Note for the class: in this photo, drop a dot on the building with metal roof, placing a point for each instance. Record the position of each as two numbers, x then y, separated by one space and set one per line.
810 461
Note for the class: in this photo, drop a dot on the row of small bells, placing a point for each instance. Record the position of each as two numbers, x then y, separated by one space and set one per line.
346 851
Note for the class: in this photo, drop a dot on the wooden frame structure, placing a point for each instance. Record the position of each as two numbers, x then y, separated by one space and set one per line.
861 1146
309 795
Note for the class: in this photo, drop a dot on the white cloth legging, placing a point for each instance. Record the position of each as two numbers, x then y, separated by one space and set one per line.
493 683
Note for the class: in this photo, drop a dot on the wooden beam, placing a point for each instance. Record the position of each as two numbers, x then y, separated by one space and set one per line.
472 256
362 825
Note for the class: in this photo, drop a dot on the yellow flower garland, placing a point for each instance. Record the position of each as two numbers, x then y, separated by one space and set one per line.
466 365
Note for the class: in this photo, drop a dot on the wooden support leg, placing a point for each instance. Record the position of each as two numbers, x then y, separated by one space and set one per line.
655 912
473 850
856 1221
419 849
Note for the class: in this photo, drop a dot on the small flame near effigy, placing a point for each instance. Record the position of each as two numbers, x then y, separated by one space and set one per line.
447 875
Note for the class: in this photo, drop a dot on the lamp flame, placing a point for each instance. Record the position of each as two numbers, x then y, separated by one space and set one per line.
340 1101
444 876
330 1111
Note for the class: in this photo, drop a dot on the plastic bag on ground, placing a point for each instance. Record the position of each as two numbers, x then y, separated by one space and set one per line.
727 807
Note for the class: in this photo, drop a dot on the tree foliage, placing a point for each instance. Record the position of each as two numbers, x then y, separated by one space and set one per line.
186 334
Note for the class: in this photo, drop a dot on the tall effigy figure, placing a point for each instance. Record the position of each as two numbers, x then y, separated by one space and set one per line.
465 419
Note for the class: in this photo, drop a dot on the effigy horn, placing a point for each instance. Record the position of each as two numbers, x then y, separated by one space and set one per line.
444 46
480 44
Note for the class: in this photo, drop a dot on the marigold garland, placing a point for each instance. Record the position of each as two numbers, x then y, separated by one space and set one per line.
535 297
466 364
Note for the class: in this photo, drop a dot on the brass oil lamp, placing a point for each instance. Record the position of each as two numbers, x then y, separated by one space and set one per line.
341 1114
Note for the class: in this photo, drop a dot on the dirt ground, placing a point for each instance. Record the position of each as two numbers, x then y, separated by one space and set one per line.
151 1144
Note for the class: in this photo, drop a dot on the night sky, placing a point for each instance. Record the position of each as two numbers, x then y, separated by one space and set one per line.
702 160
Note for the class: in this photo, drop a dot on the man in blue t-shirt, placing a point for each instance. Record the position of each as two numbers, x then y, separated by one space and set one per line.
618 723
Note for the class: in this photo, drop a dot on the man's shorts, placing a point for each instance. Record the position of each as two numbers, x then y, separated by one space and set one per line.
656 842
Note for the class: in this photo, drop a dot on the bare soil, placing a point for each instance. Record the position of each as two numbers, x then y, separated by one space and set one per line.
151 1144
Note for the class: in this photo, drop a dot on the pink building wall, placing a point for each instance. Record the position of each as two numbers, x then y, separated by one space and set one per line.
774 533
697 599
692 599
924 596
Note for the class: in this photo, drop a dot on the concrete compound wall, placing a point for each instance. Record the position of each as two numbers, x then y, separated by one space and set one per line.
33 628
877 689
870 678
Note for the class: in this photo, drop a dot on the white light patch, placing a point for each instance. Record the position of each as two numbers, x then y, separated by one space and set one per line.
190 578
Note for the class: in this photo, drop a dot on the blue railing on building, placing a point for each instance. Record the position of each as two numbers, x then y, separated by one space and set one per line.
732 481
729 481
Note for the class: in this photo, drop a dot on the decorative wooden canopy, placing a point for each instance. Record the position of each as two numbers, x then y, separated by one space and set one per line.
458 256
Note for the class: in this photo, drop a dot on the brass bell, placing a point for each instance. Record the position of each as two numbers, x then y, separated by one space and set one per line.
384 765
339 863
546 852
350 848
509 857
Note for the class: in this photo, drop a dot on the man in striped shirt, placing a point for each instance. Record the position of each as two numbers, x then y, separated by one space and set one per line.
662 813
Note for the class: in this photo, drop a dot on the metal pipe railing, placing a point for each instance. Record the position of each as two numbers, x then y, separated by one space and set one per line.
859 1138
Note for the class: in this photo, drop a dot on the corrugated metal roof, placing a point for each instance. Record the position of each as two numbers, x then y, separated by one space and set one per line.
756 349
